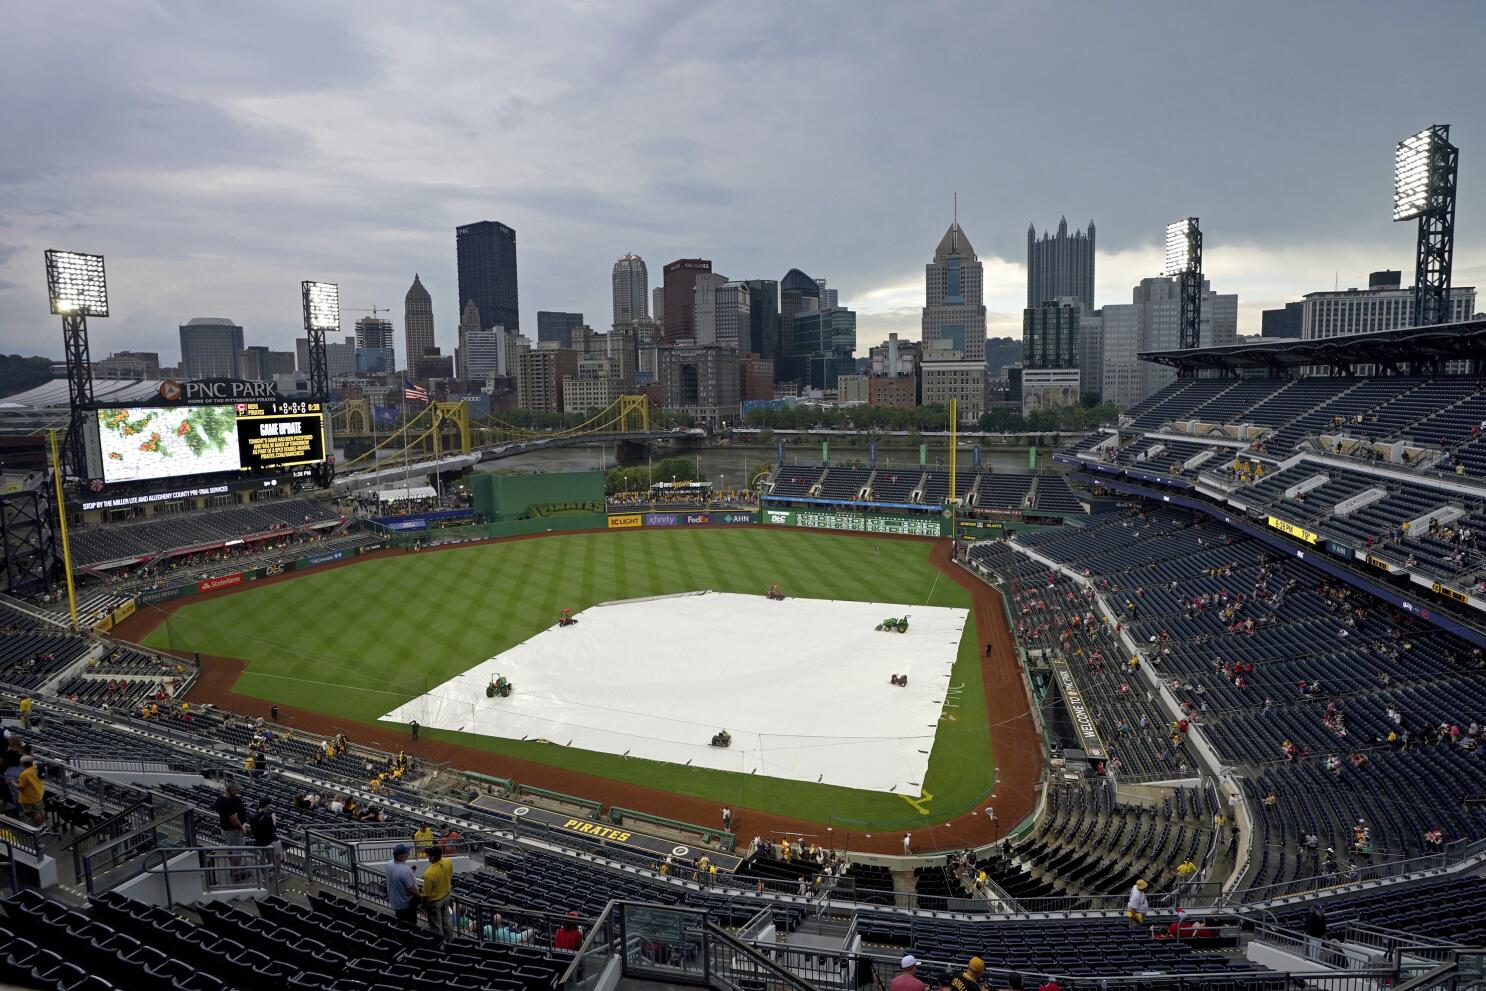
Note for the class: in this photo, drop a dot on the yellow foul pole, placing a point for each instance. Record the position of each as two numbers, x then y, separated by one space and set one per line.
62 527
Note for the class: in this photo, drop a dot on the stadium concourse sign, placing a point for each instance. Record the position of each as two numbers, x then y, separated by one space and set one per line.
915 526
1073 698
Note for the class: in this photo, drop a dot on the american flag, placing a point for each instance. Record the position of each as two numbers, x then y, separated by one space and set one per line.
411 391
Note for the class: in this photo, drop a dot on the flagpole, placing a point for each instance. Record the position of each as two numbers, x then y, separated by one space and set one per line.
405 466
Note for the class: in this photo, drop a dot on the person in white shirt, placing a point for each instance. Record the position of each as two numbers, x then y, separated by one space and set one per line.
1139 905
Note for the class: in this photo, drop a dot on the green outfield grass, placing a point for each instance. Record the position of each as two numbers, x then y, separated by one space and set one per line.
356 641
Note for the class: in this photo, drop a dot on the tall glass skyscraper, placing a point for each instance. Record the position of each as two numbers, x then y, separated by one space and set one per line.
417 322
487 273
1060 266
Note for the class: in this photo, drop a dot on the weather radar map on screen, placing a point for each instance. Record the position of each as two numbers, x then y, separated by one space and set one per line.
139 444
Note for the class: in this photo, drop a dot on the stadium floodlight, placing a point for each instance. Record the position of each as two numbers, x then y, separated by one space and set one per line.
75 284
1181 246
1413 174
322 306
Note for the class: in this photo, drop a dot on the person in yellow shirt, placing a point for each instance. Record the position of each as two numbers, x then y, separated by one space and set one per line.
1186 869
422 840
438 882
31 792
25 708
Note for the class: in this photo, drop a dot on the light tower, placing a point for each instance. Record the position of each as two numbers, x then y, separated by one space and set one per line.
1424 171
322 314
77 288
1184 260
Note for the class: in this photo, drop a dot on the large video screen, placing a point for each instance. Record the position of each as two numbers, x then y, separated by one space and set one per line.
140 443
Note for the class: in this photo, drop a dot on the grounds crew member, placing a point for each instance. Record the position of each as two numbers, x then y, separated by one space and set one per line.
1139 905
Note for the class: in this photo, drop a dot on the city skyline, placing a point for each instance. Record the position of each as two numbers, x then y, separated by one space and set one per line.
235 228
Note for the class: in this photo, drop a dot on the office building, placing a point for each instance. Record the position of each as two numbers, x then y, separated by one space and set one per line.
1384 305
828 298
433 365
1050 335
700 381
823 347
732 313
340 357
894 357
258 364
704 308
1091 352
591 387
851 390
954 326
484 351
417 322
556 327
469 322
631 289
680 281
755 378
763 319
798 293
893 390
128 365
658 305
1152 322
1284 322
487 273
544 369
211 347
375 361
1060 265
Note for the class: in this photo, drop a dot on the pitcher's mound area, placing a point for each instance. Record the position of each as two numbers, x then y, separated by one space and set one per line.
802 685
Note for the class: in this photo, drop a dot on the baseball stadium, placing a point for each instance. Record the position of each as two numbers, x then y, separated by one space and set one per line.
1137 714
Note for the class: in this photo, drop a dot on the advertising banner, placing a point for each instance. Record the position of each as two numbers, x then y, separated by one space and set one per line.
124 612
405 524
221 581
164 594
730 519
625 521
398 522
920 526
1295 531
310 562
663 519
1083 722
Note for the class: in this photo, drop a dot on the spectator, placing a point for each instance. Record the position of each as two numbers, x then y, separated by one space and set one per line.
264 827
907 979
31 792
1315 933
25 710
568 936
230 815
438 882
10 760
969 979
501 931
1139 905
1051 984
402 886
422 840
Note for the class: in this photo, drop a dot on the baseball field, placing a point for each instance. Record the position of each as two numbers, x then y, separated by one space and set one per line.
352 643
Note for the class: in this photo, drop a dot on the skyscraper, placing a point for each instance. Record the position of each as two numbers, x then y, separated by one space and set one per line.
211 347
554 325
1060 266
374 351
658 305
954 326
469 320
487 273
732 310
798 293
681 277
631 289
828 297
763 319
417 322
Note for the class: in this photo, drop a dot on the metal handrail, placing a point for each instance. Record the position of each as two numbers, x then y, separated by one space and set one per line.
257 862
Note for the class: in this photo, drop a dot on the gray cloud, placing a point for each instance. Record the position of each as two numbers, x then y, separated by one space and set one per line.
218 154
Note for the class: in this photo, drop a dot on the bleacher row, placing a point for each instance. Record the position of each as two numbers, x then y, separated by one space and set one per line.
166 535
1442 414
926 487
1201 599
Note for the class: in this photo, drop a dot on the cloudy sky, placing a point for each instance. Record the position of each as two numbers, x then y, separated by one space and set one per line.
219 153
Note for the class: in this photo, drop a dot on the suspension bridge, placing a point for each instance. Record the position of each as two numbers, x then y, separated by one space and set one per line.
445 436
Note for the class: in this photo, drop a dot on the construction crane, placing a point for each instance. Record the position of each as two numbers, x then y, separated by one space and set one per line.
373 310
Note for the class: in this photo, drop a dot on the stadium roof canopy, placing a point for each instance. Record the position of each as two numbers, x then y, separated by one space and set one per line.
53 394
1386 348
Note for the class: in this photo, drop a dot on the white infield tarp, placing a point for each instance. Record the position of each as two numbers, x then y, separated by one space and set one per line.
803 686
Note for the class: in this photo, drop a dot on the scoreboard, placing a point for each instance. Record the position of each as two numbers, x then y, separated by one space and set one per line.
280 433
139 443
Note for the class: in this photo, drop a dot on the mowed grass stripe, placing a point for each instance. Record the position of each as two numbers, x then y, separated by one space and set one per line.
387 630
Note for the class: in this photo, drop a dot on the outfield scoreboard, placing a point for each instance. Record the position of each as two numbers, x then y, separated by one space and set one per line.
140 443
